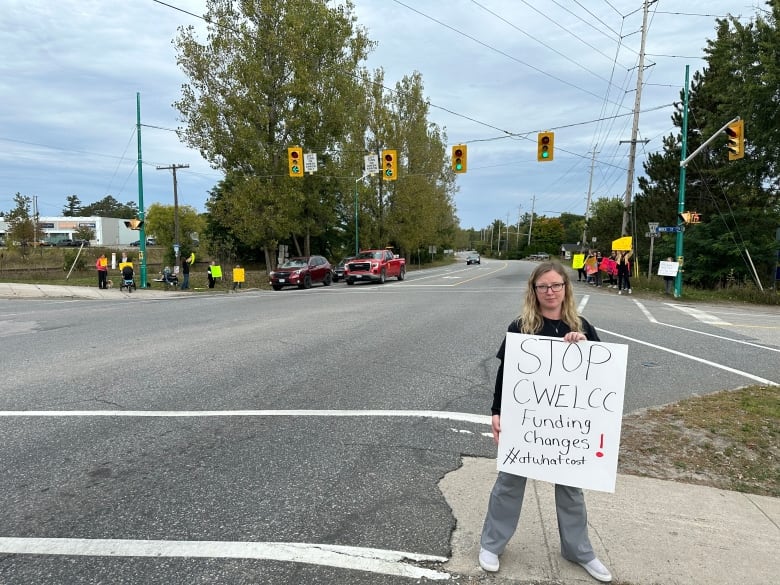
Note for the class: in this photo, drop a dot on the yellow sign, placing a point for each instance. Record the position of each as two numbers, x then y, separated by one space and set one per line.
578 261
238 275
216 271
622 244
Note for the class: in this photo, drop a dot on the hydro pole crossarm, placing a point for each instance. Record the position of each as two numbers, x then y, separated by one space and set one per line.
684 163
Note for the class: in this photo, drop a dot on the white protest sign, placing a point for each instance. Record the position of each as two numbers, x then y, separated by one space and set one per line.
667 268
561 410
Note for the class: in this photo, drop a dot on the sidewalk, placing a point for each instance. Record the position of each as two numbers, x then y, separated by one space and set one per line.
649 532
32 291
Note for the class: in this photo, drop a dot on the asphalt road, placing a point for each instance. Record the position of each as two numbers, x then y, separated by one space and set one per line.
249 438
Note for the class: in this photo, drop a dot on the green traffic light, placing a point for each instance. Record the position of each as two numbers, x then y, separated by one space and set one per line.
459 166
545 154
296 169
389 173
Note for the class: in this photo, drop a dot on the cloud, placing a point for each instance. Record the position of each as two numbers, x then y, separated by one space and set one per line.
495 71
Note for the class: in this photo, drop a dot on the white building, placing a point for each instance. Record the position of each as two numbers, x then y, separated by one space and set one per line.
108 231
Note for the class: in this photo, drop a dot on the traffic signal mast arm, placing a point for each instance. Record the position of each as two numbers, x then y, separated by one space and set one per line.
684 163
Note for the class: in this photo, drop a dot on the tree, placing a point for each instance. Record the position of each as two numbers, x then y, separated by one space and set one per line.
159 220
21 227
73 206
110 207
274 73
739 200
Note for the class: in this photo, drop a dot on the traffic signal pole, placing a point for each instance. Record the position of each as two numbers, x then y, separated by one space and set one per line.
684 160
142 233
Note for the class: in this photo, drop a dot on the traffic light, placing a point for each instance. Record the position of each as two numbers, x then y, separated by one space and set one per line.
695 217
134 224
390 165
736 143
460 158
545 146
295 161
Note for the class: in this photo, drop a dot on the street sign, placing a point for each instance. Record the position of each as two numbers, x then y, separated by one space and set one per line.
310 162
651 234
653 225
671 229
371 163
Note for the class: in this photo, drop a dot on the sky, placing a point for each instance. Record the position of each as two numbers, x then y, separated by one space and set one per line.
495 72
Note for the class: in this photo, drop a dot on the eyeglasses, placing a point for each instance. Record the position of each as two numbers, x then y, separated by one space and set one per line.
555 287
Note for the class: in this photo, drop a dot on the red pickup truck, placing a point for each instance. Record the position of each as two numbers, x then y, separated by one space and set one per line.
374 266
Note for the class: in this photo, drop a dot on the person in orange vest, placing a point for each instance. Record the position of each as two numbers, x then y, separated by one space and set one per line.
102 268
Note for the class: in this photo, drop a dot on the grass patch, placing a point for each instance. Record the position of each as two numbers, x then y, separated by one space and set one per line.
729 440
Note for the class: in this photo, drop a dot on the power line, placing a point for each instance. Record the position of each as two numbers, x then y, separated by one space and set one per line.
499 51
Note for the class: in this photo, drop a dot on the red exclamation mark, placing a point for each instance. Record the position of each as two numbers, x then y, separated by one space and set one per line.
601 446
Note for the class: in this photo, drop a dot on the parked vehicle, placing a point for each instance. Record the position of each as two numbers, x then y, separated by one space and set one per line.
72 243
302 272
338 272
375 266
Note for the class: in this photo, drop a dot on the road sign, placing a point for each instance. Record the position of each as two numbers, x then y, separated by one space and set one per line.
653 225
651 234
371 162
671 229
310 162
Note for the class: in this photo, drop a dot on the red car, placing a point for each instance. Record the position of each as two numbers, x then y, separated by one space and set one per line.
302 272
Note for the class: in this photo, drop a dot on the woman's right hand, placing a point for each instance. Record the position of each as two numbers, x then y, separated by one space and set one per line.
495 423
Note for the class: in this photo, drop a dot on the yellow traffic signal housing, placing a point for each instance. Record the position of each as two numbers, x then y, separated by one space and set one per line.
545 146
685 216
134 224
389 165
295 161
460 158
736 143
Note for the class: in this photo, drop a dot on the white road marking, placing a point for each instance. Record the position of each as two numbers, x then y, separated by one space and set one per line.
385 562
742 341
700 315
758 379
459 416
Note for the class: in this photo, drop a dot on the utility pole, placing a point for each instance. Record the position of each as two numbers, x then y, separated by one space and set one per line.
531 224
635 128
176 242
587 204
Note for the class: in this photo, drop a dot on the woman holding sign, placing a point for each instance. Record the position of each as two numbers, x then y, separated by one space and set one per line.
549 310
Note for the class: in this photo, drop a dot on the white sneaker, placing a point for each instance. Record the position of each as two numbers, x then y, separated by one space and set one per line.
597 570
629 291
620 292
489 561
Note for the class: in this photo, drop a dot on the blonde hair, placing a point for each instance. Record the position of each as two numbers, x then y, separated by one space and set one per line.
531 317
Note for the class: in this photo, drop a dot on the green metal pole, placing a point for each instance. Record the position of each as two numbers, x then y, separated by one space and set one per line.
681 198
142 242
357 245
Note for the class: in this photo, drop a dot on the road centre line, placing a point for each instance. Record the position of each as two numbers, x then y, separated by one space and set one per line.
743 342
695 359
345 557
411 282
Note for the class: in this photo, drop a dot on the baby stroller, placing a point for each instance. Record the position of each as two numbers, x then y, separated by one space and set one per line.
127 279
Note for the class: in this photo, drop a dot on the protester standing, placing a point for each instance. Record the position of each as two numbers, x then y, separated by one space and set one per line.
185 270
209 274
624 271
550 310
102 270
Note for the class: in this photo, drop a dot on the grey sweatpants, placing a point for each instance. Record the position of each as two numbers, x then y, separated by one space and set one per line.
506 502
